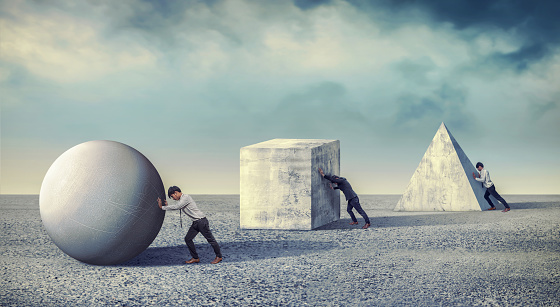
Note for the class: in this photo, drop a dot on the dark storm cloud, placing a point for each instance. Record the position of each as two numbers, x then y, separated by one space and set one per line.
536 23
522 58
447 104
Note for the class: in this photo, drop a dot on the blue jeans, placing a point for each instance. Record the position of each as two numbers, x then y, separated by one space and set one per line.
355 203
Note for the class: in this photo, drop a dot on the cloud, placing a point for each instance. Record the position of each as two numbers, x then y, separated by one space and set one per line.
521 59
315 110
446 104
538 110
310 4
390 61
207 77
417 71
534 23
320 107
65 49
158 15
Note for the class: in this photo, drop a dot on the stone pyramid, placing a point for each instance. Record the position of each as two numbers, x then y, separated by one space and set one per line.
443 180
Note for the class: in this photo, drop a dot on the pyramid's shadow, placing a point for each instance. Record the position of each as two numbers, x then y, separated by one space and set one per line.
426 220
234 251
439 218
392 221
532 205
343 224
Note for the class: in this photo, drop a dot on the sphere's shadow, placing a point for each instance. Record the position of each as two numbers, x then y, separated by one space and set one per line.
233 251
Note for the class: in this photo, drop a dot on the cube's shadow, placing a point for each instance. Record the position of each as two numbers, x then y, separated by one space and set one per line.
343 224
233 251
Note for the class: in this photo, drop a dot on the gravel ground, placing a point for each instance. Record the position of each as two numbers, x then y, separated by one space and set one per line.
406 259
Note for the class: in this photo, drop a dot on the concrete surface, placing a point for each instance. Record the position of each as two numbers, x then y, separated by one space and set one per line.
281 188
97 200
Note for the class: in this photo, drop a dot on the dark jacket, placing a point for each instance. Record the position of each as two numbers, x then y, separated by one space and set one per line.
343 185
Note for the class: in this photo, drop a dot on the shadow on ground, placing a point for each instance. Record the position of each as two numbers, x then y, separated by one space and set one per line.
234 251
408 219
399 221
531 205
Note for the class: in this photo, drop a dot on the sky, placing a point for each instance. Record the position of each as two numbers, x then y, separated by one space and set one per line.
188 83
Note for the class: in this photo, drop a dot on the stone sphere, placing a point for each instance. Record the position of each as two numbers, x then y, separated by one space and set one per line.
98 202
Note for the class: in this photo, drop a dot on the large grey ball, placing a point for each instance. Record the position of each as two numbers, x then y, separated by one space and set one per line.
98 202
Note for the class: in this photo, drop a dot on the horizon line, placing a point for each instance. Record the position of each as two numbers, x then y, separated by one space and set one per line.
388 194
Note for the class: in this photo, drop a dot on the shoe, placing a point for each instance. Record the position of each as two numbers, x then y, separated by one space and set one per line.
217 260
366 226
506 210
493 208
193 260
353 223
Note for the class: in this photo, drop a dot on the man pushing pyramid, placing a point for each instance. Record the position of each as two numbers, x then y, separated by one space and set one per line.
443 180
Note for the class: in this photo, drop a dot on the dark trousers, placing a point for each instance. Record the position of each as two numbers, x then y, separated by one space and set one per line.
492 191
355 203
203 227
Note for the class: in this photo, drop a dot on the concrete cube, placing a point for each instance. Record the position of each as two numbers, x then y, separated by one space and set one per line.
281 187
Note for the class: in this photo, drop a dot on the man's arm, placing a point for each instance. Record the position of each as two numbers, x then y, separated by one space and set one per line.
180 204
159 203
330 178
336 180
481 177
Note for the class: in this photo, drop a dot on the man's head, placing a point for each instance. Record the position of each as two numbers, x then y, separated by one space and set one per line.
174 193
479 166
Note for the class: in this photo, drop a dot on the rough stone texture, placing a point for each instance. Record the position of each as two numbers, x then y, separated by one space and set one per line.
443 181
420 259
98 202
281 187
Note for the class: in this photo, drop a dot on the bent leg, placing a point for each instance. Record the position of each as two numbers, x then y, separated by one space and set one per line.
356 204
492 190
205 230
193 231
487 197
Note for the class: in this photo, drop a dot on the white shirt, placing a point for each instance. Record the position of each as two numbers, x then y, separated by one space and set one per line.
187 205
485 178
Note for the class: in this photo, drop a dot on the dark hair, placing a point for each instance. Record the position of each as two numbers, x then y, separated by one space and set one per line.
479 164
172 190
